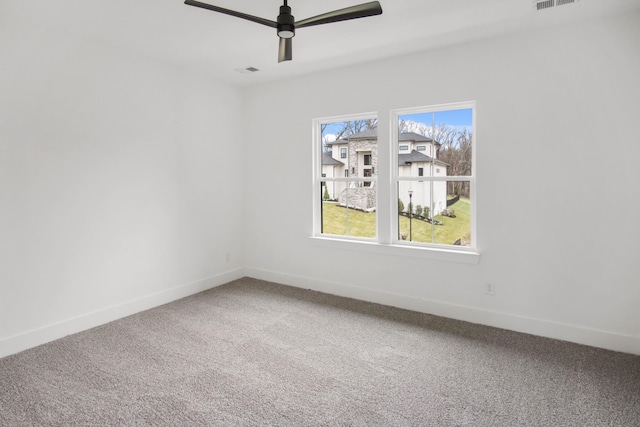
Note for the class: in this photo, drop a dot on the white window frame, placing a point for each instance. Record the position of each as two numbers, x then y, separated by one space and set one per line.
317 179
394 135
386 241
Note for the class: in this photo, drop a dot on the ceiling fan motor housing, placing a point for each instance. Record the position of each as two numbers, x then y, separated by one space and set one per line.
286 28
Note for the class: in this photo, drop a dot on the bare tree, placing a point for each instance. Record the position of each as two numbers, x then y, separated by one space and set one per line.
356 126
457 154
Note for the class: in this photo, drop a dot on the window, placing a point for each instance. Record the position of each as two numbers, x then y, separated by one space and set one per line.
431 198
350 208
436 209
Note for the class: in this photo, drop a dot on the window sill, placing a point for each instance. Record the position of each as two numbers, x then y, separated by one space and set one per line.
438 254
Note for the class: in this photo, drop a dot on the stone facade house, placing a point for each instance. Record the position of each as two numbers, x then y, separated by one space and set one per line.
357 156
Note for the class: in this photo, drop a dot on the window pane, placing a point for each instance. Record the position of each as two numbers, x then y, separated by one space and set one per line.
434 212
349 150
441 139
349 147
456 216
352 212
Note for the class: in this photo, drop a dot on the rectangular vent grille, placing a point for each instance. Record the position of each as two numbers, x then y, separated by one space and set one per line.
247 70
546 4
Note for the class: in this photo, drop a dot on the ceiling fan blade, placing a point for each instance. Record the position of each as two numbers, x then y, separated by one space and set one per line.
262 21
285 52
354 12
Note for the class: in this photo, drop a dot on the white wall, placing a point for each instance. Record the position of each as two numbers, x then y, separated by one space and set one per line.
562 267
113 194
114 174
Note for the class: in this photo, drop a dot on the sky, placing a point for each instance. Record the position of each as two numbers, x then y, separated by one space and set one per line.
454 118
459 119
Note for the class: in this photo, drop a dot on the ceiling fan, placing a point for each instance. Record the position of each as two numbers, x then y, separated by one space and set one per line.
286 25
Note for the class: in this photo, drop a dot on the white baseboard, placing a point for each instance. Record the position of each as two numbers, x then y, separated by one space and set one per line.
540 327
33 338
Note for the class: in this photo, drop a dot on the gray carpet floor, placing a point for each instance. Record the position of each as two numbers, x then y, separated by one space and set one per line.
253 353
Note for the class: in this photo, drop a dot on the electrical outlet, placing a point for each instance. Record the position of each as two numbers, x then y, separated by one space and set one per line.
490 288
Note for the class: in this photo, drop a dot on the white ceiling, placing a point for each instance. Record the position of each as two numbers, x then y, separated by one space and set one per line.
217 44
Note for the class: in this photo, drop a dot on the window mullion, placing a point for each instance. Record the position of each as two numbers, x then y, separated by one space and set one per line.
385 189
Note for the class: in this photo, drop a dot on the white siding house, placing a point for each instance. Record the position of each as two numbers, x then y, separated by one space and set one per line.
332 168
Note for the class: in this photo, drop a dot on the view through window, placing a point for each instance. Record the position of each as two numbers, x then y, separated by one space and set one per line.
432 175
348 192
435 176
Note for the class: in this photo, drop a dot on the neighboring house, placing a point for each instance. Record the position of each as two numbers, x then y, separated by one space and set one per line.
332 168
357 156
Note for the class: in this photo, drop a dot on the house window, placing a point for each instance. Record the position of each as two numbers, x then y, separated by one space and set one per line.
367 173
422 148
404 148
351 209
438 208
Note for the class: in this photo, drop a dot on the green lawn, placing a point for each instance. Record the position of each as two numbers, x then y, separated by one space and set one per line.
451 229
349 222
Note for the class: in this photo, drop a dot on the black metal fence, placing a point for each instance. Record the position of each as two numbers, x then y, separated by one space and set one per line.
452 201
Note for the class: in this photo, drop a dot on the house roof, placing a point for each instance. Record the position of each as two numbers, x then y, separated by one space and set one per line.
337 141
415 137
373 134
330 161
417 157
365 134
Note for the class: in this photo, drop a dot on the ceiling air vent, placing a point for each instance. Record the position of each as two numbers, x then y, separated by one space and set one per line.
546 4
247 70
